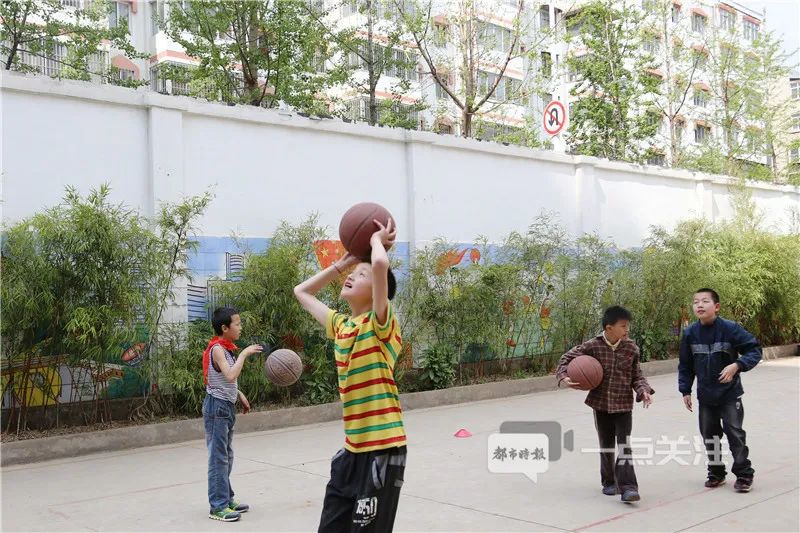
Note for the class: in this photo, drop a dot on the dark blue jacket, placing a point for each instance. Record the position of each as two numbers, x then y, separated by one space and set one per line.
706 350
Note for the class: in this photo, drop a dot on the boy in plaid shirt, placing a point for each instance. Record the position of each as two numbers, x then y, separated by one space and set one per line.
612 400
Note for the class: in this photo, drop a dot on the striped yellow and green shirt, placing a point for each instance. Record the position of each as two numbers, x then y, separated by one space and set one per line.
366 353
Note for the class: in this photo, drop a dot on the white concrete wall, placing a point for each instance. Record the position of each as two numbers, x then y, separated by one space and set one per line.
265 167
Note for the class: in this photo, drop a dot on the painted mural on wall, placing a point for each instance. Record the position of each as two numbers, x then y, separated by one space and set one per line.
47 381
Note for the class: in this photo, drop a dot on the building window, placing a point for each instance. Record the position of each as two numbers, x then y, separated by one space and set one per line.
732 137
698 23
544 17
445 129
678 130
676 13
795 84
794 155
318 62
156 15
572 74
700 98
701 133
657 160
122 75
750 30
752 141
547 64
574 26
48 62
796 122
119 14
440 34
496 38
170 78
700 59
349 7
71 3
727 20
652 45
399 64
655 122
440 92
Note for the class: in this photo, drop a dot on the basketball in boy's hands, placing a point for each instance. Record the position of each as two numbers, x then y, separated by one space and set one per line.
283 367
586 371
358 226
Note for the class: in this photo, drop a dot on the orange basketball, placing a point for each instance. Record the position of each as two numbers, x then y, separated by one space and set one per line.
283 367
586 371
357 227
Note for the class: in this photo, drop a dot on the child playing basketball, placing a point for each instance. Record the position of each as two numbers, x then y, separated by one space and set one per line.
367 474
220 372
716 351
612 400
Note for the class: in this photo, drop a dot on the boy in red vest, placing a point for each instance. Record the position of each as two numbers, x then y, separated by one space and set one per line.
220 372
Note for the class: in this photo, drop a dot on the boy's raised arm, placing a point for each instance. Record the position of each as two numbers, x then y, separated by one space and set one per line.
381 239
307 290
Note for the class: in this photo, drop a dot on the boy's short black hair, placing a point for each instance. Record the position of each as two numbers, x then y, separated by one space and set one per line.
712 292
390 281
614 314
222 317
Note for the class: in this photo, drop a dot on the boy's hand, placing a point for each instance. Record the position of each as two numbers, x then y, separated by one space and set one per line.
245 403
252 349
687 401
726 376
571 384
647 401
386 234
346 262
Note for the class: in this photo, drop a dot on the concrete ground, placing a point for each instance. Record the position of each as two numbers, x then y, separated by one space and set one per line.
448 487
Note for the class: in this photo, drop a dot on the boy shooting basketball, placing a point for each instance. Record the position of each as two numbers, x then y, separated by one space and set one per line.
612 400
367 474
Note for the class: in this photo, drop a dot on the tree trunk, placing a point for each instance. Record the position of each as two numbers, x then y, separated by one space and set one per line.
466 122
373 69
12 54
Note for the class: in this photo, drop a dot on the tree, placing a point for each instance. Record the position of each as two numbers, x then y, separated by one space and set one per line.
69 37
743 71
255 52
667 40
85 278
616 85
474 78
367 48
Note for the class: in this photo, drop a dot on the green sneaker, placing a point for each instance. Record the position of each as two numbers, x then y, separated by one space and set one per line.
225 515
239 507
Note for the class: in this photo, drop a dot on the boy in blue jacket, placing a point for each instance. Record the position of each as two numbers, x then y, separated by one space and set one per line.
716 350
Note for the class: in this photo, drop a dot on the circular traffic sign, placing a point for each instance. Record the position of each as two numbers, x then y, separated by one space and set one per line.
555 117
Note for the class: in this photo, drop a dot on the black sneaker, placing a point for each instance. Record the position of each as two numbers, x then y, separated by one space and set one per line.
238 506
743 484
610 490
630 496
714 482
225 515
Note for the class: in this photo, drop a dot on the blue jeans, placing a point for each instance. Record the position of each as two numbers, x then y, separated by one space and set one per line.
219 416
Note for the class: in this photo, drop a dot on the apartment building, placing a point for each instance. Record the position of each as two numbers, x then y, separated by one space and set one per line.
535 75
